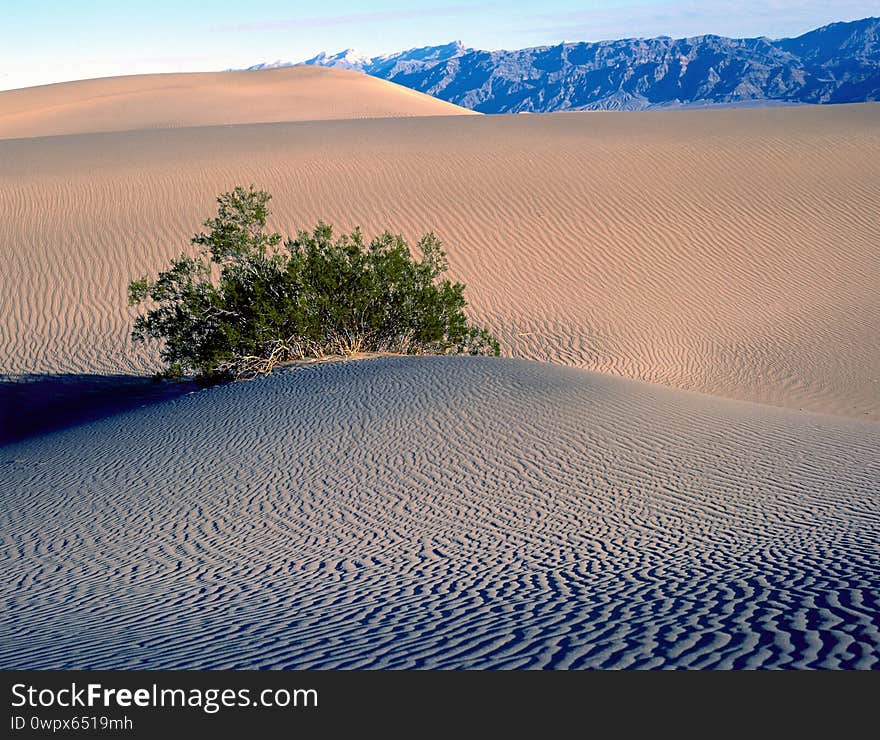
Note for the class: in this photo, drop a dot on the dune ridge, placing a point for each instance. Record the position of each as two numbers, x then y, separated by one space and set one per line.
443 513
729 252
208 99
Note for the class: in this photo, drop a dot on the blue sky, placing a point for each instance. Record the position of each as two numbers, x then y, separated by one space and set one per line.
44 41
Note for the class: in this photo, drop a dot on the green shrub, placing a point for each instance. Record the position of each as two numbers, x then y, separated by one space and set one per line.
249 301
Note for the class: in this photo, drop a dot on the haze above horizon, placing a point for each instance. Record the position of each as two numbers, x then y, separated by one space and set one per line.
45 41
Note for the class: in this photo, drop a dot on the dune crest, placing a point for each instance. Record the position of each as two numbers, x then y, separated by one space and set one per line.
208 99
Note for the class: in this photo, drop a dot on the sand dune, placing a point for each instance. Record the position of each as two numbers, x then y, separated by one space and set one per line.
730 252
208 99
448 512
443 513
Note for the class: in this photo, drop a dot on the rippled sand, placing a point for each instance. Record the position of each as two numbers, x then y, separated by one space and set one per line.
729 252
448 512
443 513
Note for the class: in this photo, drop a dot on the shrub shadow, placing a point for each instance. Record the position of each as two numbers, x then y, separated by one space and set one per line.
31 405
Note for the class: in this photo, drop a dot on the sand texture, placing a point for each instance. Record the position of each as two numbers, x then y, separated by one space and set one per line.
443 513
208 99
676 465
730 252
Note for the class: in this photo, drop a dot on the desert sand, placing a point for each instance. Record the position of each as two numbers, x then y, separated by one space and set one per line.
443 513
729 252
208 99
677 463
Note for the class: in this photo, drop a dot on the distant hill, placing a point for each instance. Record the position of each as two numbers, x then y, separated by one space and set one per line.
838 63
164 101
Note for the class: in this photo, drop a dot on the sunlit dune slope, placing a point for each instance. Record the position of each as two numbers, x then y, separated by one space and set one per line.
731 252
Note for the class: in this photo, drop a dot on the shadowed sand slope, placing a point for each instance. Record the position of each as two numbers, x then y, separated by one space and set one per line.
730 252
443 513
208 99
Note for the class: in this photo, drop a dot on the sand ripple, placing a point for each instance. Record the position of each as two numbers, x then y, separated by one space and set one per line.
443 513
729 252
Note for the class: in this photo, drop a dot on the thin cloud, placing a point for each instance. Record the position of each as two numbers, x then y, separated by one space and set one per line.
154 60
772 18
348 20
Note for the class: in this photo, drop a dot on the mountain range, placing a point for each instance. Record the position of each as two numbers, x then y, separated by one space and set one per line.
837 63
